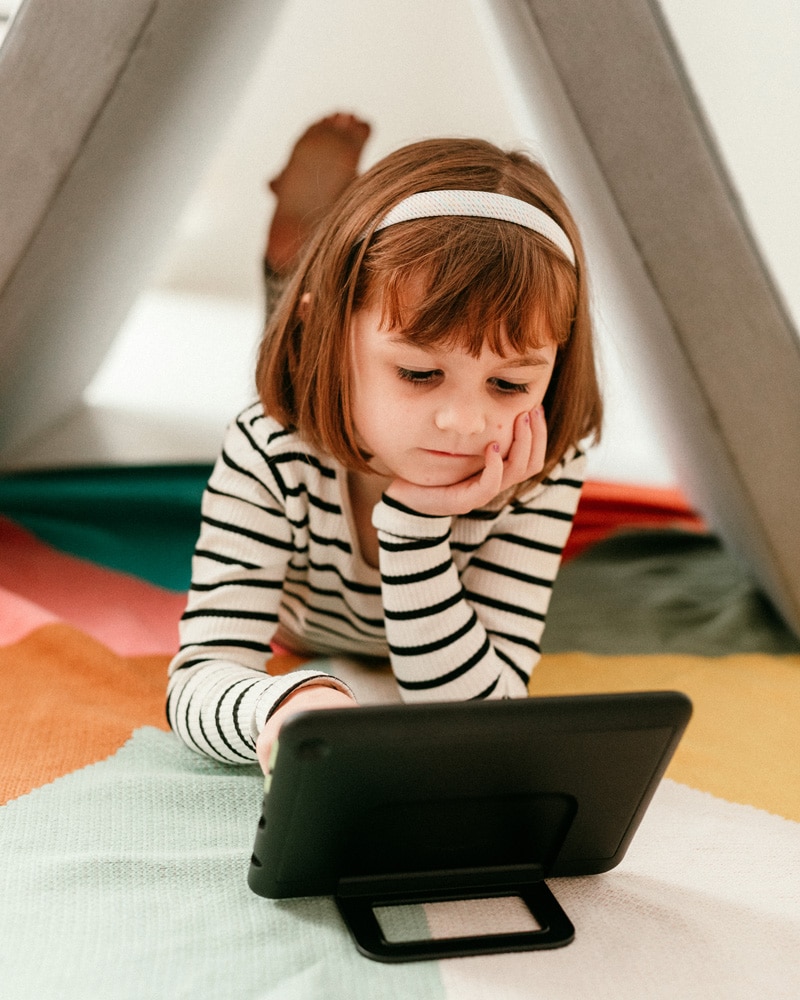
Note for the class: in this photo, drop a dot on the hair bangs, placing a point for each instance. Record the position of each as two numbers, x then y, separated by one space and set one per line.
470 283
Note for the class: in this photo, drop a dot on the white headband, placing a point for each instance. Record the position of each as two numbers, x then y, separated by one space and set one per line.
482 205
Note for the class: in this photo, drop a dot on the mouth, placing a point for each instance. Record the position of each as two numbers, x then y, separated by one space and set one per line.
447 454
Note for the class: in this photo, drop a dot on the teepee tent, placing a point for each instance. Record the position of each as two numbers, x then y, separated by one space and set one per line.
111 112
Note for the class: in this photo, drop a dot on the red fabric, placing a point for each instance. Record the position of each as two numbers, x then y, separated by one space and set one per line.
607 507
40 585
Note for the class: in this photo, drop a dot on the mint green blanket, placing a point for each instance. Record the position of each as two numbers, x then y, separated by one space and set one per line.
127 880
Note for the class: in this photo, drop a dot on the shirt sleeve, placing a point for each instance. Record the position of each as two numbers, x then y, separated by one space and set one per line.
220 693
474 632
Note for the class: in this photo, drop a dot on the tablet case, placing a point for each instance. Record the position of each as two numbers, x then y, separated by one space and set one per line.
390 805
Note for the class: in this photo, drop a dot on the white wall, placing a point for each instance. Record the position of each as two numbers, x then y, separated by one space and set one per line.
8 8
743 57
418 69
412 69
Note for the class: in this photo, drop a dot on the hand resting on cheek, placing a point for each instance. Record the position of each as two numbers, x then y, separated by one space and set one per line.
525 458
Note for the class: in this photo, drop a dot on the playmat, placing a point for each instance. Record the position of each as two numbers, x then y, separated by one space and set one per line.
125 855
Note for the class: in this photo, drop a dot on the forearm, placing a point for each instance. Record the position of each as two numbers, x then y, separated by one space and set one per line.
219 707
439 644
465 616
221 691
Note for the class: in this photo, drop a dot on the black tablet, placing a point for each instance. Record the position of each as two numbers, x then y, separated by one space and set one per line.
386 805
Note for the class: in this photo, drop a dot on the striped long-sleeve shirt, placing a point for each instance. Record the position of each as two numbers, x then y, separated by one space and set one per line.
458 604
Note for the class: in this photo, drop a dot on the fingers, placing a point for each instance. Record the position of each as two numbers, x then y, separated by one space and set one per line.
538 454
519 453
310 696
526 456
448 501
491 479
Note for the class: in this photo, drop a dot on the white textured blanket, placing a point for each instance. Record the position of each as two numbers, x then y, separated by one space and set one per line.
127 879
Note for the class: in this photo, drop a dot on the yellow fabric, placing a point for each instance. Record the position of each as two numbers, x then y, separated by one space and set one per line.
743 742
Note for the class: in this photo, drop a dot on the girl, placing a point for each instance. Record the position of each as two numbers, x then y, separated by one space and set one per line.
406 483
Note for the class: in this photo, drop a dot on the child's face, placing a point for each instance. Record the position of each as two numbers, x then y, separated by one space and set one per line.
427 414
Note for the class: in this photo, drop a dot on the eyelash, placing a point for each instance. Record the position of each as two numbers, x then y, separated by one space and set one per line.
422 378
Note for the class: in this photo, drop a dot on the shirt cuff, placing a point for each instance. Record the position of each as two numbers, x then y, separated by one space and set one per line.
395 519
281 687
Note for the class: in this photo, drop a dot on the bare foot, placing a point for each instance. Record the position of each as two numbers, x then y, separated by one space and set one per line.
323 162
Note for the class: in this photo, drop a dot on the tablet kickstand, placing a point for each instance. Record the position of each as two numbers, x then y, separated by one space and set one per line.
358 906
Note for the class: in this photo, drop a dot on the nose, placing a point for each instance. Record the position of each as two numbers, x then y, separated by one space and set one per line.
460 413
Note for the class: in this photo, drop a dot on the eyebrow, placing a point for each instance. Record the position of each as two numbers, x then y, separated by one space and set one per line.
527 361
532 360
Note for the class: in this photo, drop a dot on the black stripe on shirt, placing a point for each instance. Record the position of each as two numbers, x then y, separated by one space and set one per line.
225 560
376 625
263 584
276 461
274 511
305 458
437 644
481 514
337 543
519 640
302 599
513 574
255 536
287 456
486 691
249 684
256 616
391 502
528 543
557 515
426 612
245 738
222 643
354 585
232 464
313 626
514 609
517 670
413 545
575 484
426 574
446 678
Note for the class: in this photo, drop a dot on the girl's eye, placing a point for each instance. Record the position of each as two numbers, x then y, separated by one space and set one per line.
509 387
418 377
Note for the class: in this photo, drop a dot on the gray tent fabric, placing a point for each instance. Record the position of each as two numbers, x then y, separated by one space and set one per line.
98 156
110 113
730 379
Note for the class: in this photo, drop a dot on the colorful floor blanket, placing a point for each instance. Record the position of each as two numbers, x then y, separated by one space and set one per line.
124 855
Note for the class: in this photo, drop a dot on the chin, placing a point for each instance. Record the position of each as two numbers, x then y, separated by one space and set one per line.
435 475
443 480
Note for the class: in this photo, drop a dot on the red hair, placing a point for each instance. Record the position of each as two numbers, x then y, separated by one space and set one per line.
476 281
